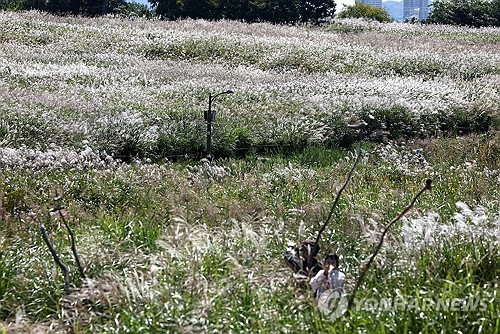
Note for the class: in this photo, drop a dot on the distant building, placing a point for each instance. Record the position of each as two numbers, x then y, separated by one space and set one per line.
373 3
417 9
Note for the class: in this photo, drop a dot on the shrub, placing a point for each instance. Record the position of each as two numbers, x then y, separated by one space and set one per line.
365 11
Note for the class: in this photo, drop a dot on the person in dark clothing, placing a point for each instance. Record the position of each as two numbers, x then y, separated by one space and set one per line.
302 259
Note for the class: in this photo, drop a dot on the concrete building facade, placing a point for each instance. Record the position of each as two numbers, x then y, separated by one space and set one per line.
373 3
417 9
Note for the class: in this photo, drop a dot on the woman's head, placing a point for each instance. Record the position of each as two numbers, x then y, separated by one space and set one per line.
332 259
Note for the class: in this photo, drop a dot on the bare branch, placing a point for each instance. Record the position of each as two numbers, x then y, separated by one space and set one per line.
57 260
59 208
359 126
428 186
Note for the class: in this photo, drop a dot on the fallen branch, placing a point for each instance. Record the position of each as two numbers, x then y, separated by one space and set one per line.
428 184
59 208
57 260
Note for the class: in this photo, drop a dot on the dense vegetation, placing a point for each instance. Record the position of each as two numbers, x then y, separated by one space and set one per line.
179 245
290 11
365 11
138 89
77 7
276 11
474 13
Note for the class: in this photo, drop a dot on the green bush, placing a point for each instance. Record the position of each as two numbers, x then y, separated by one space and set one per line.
461 122
365 11
390 123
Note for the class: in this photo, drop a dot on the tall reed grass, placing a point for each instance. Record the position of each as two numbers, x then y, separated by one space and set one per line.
97 109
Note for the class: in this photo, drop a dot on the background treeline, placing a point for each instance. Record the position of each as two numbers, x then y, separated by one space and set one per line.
474 13
277 11
78 7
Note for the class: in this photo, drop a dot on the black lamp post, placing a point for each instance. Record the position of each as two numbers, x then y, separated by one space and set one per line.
209 118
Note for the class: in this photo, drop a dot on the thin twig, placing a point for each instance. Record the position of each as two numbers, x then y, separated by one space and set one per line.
359 126
343 187
57 260
428 184
59 208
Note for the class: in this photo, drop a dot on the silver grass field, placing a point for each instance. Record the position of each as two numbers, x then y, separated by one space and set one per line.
107 115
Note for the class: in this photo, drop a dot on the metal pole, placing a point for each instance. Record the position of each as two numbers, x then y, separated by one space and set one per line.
209 128
209 117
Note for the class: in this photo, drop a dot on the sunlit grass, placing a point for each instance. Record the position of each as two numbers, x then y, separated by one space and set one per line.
173 244
197 247
138 89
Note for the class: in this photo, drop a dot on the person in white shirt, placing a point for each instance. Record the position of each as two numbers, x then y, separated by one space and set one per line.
328 278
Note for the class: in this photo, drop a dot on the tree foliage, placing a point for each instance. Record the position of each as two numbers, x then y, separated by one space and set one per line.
277 11
366 11
78 7
474 13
